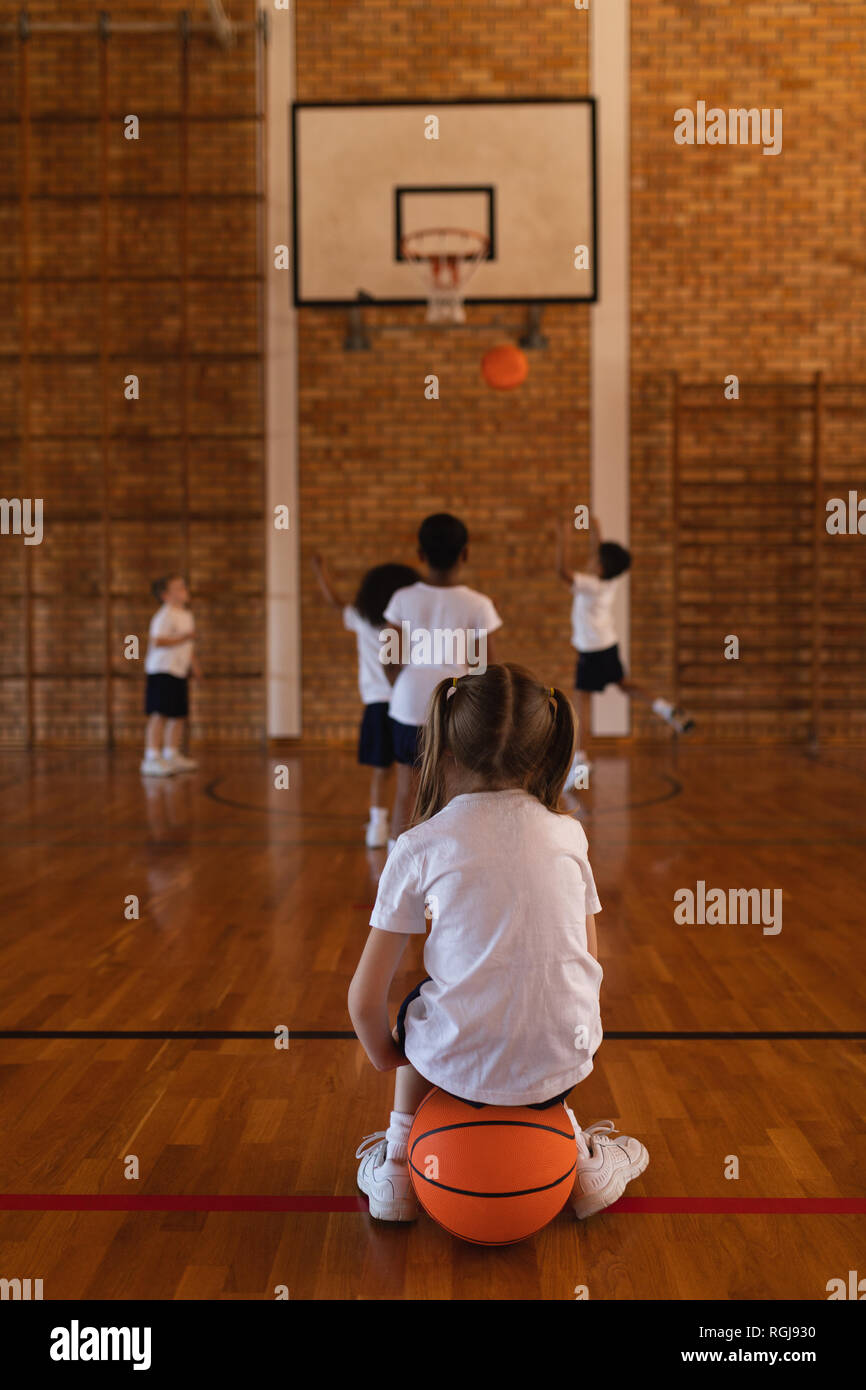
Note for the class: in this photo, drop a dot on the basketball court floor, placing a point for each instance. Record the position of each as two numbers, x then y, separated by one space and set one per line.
720 1041
181 1091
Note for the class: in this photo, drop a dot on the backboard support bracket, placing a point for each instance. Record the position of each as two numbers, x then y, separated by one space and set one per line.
528 335
533 340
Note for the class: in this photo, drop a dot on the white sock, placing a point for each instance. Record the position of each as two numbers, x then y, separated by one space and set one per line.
169 753
663 709
378 814
582 1146
397 1135
150 754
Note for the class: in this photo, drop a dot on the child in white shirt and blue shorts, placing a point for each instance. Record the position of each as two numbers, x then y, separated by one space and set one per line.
508 1013
169 661
364 617
593 635
440 627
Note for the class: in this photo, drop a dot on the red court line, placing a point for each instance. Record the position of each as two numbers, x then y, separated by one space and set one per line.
109 1201
657 1206
744 1206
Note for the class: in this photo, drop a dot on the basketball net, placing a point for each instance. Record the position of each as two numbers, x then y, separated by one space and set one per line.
446 258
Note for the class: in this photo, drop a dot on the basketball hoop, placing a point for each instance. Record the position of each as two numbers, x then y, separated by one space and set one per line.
446 259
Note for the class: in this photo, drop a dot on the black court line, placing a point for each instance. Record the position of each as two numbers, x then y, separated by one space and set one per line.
321 1034
213 795
674 789
598 848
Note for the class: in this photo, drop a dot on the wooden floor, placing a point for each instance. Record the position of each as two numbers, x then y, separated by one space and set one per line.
254 908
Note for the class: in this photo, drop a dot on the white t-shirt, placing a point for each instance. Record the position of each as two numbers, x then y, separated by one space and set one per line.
373 684
169 621
592 626
511 1014
446 636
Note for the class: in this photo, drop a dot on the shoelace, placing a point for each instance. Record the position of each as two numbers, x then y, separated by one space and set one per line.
370 1141
599 1133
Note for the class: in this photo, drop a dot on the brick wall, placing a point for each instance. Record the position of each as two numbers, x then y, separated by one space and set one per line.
375 456
183 471
747 264
741 263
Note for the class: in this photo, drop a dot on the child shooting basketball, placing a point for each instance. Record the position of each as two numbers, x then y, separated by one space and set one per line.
365 618
441 628
509 1011
169 661
594 633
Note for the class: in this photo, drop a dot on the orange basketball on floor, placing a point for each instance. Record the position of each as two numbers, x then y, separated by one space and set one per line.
493 1175
505 367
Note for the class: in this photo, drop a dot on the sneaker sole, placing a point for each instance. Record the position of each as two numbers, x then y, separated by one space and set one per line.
584 1207
392 1211
405 1210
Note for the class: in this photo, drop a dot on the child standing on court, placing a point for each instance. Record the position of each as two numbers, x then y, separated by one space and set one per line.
365 618
441 628
593 634
509 1011
169 661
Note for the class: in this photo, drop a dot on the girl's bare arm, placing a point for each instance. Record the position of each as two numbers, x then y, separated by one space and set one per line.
368 997
326 584
591 937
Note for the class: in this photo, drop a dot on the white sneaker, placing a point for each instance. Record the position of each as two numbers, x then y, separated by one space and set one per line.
156 767
180 763
606 1169
392 1198
377 831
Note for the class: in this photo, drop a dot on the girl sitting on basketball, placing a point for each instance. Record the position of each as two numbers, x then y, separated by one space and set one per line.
509 1011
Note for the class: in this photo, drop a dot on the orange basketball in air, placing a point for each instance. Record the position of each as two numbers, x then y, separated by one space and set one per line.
492 1174
505 367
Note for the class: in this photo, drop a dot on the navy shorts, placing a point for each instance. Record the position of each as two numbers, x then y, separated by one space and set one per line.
167 695
595 670
375 744
405 737
478 1104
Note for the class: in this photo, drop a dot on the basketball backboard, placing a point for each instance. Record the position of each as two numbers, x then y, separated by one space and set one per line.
366 175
